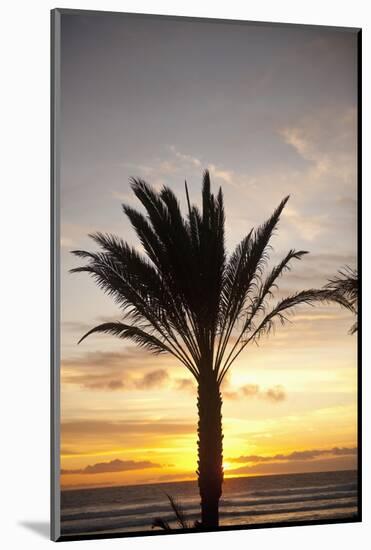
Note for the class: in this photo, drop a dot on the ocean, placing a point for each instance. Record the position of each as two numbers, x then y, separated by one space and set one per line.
245 501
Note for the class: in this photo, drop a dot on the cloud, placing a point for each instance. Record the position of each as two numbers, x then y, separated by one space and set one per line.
176 163
308 227
327 141
225 175
120 379
113 466
250 390
215 171
277 393
300 466
124 370
296 455
69 452
77 429
187 159
107 371
340 451
125 359
274 394
96 382
153 379
317 269
99 359
93 381
185 384
312 460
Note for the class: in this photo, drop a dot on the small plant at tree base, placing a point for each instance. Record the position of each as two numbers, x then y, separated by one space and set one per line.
181 521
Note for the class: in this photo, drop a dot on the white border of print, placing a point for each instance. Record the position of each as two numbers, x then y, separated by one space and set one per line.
25 264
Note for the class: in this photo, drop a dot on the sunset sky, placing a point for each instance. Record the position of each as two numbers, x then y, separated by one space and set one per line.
271 111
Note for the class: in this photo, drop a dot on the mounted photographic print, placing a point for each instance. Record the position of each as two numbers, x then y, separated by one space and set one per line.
205 338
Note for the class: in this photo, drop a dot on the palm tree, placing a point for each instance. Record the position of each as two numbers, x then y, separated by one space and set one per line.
185 297
343 288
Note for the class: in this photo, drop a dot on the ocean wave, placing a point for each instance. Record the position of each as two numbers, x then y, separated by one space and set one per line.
313 489
141 522
272 499
156 508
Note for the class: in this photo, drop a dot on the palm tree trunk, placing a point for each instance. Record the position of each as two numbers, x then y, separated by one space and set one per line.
210 448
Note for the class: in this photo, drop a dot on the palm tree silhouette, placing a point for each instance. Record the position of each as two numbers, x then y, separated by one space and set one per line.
188 299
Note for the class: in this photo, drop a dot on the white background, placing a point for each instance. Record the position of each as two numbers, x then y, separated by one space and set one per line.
24 270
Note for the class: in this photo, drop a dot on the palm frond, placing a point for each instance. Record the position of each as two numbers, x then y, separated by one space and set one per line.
343 289
278 314
346 282
170 248
145 340
246 263
183 296
147 236
258 303
138 288
242 275
123 331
